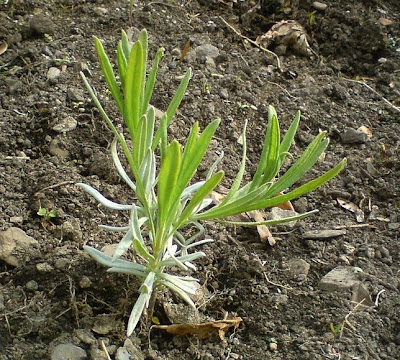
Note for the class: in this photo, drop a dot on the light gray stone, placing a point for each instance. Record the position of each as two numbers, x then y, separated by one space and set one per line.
65 125
53 73
340 278
16 248
319 6
206 50
68 352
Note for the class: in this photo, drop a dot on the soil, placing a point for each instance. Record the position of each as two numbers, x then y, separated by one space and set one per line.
58 295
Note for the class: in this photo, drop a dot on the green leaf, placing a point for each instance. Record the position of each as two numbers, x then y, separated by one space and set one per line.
142 251
194 154
109 75
168 178
144 41
122 63
176 100
42 212
289 136
233 209
198 197
152 79
133 86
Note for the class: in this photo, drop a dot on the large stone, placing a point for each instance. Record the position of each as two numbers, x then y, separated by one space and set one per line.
17 248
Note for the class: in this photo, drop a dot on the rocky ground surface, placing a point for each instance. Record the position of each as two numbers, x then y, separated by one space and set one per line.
329 287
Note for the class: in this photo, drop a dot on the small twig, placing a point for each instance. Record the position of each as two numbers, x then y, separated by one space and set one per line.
347 322
54 186
375 92
254 43
105 350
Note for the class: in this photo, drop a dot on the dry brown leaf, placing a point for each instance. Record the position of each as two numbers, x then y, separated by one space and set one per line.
263 231
288 33
354 208
201 330
3 47
185 50
285 205
385 22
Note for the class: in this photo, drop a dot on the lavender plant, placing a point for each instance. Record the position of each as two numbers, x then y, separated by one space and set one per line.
161 173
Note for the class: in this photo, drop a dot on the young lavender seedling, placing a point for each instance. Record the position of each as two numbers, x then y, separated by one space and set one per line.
167 198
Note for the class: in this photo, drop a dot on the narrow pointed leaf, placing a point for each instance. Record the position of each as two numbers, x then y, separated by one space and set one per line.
109 74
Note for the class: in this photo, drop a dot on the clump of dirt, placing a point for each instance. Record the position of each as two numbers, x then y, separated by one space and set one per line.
61 301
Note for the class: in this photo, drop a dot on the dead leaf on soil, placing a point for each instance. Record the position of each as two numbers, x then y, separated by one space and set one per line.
263 231
3 47
289 34
354 208
201 330
385 22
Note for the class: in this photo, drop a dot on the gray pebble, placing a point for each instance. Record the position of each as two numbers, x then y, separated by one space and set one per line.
353 136
52 74
86 336
65 125
68 352
74 94
207 50
32 285
319 6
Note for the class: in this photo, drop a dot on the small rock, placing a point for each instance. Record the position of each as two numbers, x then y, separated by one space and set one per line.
340 278
16 219
100 11
44 267
68 352
17 248
352 136
122 354
133 350
181 313
85 282
319 6
176 53
71 230
65 125
273 346
322 234
206 50
32 285
104 324
62 264
52 74
299 267
97 354
41 24
75 95
224 94
85 336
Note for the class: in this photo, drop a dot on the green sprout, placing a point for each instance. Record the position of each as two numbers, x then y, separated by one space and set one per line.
47 216
161 177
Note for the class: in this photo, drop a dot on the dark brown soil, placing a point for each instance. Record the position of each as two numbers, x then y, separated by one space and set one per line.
353 79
